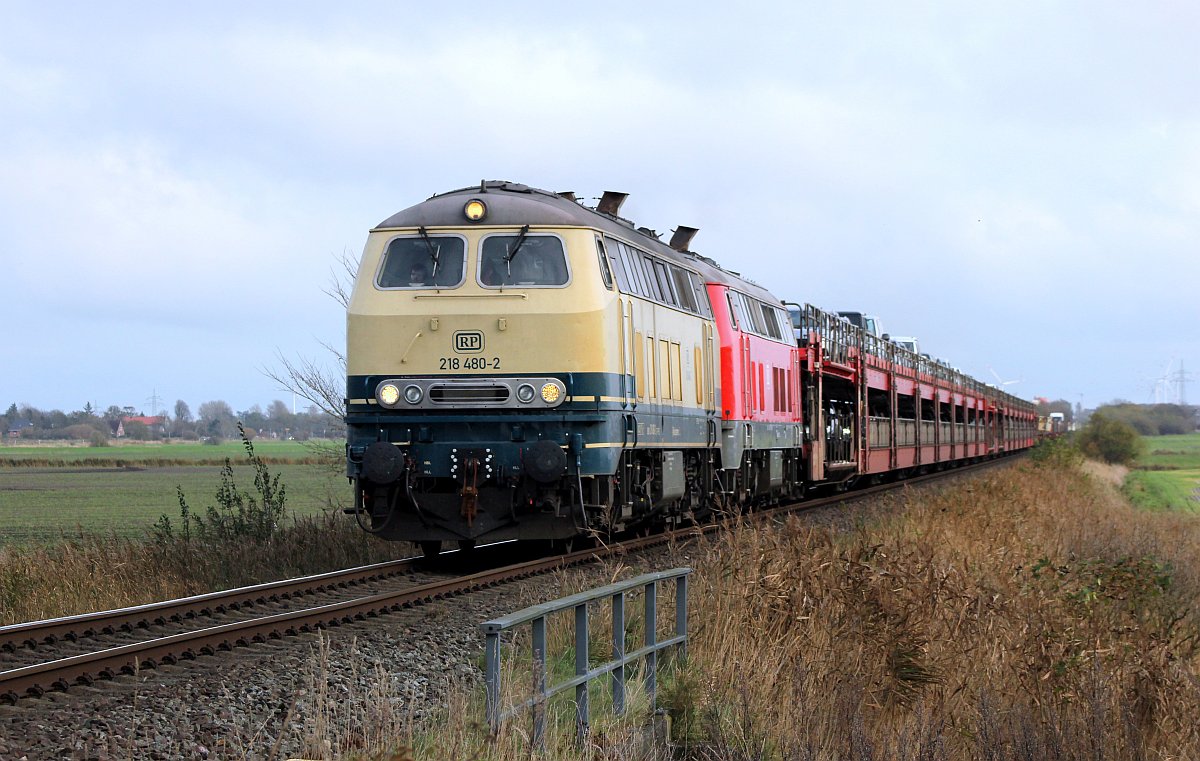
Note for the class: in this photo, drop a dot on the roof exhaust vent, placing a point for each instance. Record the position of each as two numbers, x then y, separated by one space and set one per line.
568 194
683 237
610 202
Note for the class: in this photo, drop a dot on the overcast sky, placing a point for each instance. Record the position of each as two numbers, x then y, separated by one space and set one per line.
1017 184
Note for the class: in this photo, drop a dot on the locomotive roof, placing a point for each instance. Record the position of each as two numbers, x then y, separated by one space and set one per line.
513 204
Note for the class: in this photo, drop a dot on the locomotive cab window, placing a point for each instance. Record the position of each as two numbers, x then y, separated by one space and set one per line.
434 261
532 260
605 272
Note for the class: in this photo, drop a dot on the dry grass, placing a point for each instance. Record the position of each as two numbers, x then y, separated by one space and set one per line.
91 572
1107 472
1030 614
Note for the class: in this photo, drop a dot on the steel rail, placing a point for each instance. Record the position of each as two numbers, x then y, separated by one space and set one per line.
129 659
34 633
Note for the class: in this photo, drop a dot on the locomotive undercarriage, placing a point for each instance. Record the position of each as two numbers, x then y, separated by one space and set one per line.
651 489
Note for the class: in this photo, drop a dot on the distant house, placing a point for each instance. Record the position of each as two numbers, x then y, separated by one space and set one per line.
156 423
17 428
116 428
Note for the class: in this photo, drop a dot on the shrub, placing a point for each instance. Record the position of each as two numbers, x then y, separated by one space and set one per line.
1056 452
238 513
97 439
80 431
1110 440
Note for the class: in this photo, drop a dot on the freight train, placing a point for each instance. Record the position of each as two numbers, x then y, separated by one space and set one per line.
523 366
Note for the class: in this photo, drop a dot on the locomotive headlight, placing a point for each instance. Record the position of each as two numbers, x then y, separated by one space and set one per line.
525 393
550 393
413 394
388 394
475 210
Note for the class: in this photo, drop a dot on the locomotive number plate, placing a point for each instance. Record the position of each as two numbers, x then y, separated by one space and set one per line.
469 363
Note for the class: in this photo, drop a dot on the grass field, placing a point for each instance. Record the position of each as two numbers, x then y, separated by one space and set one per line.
1167 476
113 494
66 454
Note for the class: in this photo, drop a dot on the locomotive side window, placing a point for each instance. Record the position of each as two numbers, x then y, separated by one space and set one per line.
735 312
605 272
753 314
655 290
769 318
705 309
625 278
683 288
665 287
637 278
435 261
534 260
651 278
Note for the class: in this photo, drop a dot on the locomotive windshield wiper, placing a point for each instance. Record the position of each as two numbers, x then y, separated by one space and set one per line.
434 251
513 255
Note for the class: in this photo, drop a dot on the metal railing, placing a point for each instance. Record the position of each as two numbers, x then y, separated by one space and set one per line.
536 616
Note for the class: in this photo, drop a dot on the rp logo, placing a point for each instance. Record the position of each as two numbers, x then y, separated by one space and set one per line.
468 341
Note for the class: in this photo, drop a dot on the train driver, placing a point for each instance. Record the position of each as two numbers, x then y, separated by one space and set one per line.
419 275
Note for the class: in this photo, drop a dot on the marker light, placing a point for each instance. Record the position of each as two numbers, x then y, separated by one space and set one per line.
413 394
388 394
525 393
475 210
550 393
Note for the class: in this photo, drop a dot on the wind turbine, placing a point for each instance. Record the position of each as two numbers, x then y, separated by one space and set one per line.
1162 384
999 382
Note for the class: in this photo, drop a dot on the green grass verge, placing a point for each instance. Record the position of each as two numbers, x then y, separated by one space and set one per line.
1167 475
39 504
176 451
1171 452
1164 489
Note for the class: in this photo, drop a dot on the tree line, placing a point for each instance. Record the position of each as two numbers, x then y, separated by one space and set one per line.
213 421
1152 419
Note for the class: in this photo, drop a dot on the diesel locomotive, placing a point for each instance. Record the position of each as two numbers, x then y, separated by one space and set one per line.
523 366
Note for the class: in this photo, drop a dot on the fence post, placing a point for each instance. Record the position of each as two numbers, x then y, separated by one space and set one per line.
492 656
681 615
651 640
539 679
618 637
581 668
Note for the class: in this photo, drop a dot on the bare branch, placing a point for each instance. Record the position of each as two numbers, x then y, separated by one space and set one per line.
304 377
341 281
312 382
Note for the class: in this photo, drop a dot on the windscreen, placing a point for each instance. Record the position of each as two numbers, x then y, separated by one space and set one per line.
538 260
420 263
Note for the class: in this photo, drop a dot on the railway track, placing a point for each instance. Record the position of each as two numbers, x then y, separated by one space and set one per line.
58 653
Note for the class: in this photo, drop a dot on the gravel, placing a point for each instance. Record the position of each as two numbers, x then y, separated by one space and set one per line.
305 696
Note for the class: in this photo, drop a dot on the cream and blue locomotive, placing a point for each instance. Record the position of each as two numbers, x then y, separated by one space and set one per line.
521 366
